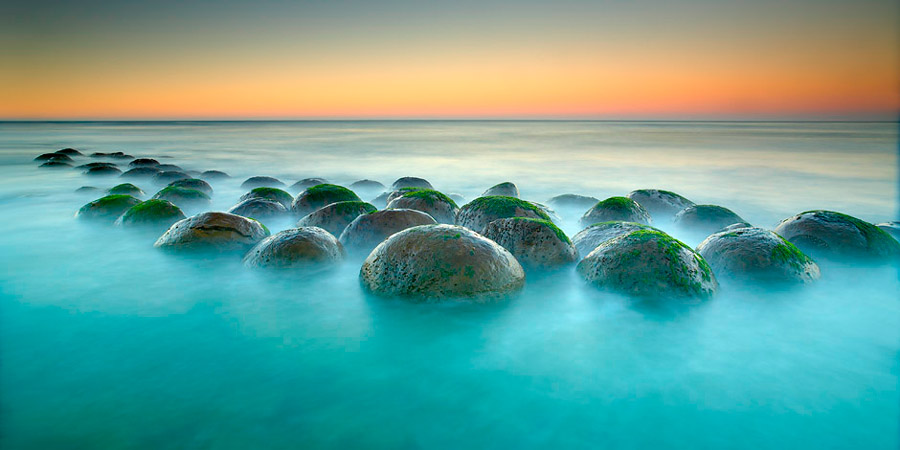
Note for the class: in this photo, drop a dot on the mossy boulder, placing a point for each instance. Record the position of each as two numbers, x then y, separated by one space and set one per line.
193 183
367 186
141 173
438 205
321 195
53 157
335 217
153 213
832 234
616 208
166 177
69 152
588 239
441 262
573 201
307 183
892 228
411 182
302 250
703 220
258 208
478 213
103 171
144 162
213 231
273 194
662 205
755 254
183 197
505 189
537 244
649 264
213 175
107 208
54 164
369 230
127 189
260 181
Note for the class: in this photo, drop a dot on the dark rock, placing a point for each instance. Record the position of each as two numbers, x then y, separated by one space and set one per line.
255 182
478 213
69 152
273 194
193 183
319 196
154 214
104 171
213 175
126 189
141 173
106 209
144 162
166 177
183 197
53 157
302 250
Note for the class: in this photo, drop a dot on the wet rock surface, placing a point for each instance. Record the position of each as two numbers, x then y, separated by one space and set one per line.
153 213
616 208
831 234
335 217
588 239
107 208
442 208
506 189
262 181
258 208
703 220
212 231
661 204
756 254
478 213
273 194
302 250
369 230
320 196
536 244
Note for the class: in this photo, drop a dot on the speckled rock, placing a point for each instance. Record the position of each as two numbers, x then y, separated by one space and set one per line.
505 189
302 250
537 244
259 208
273 194
255 182
154 214
167 176
307 183
616 208
319 196
335 217
411 182
183 197
144 162
213 175
892 228
573 201
831 234
126 189
441 262
216 231
436 204
588 239
107 209
369 230
141 173
756 254
103 171
193 183
478 213
649 264
703 220
662 205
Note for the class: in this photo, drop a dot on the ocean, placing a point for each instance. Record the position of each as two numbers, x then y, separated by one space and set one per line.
106 342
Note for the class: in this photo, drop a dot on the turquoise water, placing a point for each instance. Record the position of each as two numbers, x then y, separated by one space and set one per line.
107 343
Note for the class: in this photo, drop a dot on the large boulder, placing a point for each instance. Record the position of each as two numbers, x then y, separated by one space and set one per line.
273 194
335 217
832 234
369 230
588 239
215 231
478 213
435 262
411 182
751 253
662 205
438 205
703 220
107 208
258 208
259 181
141 173
193 183
321 195
303 250
126 189
573 201
183 197
54 164
616 208
536 243
54 157
307 183
153 213
649 264
506 189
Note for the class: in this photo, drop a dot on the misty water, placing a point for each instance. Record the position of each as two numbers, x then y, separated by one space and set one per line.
106 342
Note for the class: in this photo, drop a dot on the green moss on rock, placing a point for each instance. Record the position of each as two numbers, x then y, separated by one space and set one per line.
107 208
153 211
126 189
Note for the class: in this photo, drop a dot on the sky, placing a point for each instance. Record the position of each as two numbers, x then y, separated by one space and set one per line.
360 59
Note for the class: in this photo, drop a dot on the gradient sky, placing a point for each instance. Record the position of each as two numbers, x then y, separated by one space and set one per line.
608 59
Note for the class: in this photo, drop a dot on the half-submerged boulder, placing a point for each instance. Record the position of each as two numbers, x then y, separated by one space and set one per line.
506 189
616 208
102 171
54 164
193 183
259 181
438 205
892 228
536 244
153 213
183 197
369 230
54 157
573 201
144 162
69 152
258 208
141 173
216 231
107 208
367 186
832 234
335 217
588 239
273 194
211 175
438 262
649 264
478 213
307 183
303 250
662 205
411 182
703 220
321 195
167 176
126 189
755 254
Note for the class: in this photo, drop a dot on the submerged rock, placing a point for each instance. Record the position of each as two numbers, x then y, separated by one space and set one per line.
648 263
213 231
381 200
536 243
87 190
367 186
436 262
703 220
183 197
255 182
143 162
616 209
193 183
69 152
96 164
167 176
756 254
127 189
103 171
54 164
307 183
321 195
335 217
153 213
411 182
591 237
573 201
141 173
505 189
273 194
258 208
53 157
442 208
113 155
171 168
832 235
662 205
369 230
107 208
304 250
213 175
458 198
478 213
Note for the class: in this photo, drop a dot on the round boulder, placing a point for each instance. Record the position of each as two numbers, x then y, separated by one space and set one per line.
258 208
193 183
832 234
506 189
268 193
144 162
53 157
438 262
369 230
756 254
214 175
126 189
367 186
183 197
213 231
335 217
70 152
102 171
167 176
54 164
438 205
141 173
307 183
255 182
589 238
478 213
573 201
107 208
536 243
411 182
96 164
305 250
153 213
321 195
703 220
170 168
659 203
616 209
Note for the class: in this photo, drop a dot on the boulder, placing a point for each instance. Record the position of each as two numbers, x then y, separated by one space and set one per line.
216 231
193 183
439 206
144 162
303 250
335 217
662 205
367 186
756 254
212 175
183 197
53 157
153 213
255 182
126 189
413 182
830 234
573 201
505 189
319 196
703 220
103 171
273 194
307 183
69 152
107 209
536 244
167 176
892 228
369 230
96 164
258 208
478 213
54 164
171 168
589 238
141 173
616 209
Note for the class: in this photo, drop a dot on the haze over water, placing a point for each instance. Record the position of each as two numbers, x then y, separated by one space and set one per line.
106 342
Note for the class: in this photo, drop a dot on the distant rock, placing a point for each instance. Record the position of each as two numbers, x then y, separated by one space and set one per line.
703 220
53 157
213 231
144 162
166 177
302 250
96 164
367 186
258 208
506 189
615 209
107 209
892 228
442 208
193 183
141 173
103 171
183 197
573 201
307 183
411 182
170 168
319 196
69 152
662 205
213 175
758 255
126 189
255 182
54 164
537 244
274 194
478 213
335 217
369 230
830 234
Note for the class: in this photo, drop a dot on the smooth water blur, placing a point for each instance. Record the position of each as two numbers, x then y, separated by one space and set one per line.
107 343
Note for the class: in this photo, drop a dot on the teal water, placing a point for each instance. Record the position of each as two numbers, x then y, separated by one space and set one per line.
106 343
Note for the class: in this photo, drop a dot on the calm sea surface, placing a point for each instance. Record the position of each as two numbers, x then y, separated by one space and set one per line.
107 343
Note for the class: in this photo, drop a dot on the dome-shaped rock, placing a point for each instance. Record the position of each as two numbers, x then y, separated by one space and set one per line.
144 162
273 194
476 214
588 239
573 201
832 234
303 250
107 208
369 230
756 254
616 208
703 220
167 176
258 208
140 173
213 231
126 189
536 243
321 195
505 189
193 183
411 182
438 205
335 217
212 175
183 197
662 205
255 182
153 213
103 171
307 183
